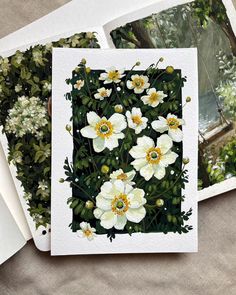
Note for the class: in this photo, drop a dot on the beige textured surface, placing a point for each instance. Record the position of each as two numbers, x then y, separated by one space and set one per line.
212 271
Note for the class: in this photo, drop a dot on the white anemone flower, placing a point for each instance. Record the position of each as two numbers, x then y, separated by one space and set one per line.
139 83
104 132
118 203
135 120
86 231
112 75
79 84
126 177
153 97
150 159
102 93
170 124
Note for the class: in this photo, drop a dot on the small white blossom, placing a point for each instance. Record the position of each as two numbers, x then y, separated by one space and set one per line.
79 84
153 97
126 177
138 83
18 88
102 93
112 75
86 231
135 120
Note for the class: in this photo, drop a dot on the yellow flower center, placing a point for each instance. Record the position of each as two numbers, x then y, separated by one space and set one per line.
122 176
113 75
138 82
154 97
79 83
153 155
104 128
173 123
137 120
103 93
120 204
88 233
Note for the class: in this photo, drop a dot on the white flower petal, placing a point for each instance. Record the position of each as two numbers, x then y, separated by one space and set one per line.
176 134
83 225
103 203
111 143
147 172
108 219
93 118
98 213
131 175
98 144
118 122
136 215
160 172
89 132
165 143
121 222
168 159
80 233
139 163
160 125
118 187
136 198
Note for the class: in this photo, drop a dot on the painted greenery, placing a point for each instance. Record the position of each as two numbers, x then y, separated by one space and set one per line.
128 172
25 91
198 24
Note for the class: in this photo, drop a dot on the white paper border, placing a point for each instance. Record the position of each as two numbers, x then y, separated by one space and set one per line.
63 240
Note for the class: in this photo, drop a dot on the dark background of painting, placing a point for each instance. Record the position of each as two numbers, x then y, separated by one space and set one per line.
211 271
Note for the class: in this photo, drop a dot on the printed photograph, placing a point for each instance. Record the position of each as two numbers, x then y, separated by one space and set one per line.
205 25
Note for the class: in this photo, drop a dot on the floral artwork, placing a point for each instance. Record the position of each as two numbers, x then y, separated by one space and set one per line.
128 169
25 115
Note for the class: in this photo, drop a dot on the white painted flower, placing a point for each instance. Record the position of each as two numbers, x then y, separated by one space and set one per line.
139 83
18 88
86 231
104 132
153 97
112 75
118 203
47 86
103 93
79 84
135 120
126 177
170 124
43 185
150 159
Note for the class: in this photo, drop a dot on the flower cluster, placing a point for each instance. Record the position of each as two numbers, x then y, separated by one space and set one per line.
130 126
28 116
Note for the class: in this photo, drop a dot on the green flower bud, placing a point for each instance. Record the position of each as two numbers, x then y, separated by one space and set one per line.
105 169
83 61
118 108
159 203
169 217
188 99
170 70
138 63
89 205
161 59
88 70
185 161
61 180
68 128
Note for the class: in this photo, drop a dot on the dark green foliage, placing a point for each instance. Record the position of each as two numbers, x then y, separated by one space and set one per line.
29 74
85 175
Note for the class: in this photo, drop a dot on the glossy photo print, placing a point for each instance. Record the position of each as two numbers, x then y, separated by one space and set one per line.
209 26
127 171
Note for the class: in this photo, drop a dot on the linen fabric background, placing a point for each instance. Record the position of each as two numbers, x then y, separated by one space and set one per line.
211 271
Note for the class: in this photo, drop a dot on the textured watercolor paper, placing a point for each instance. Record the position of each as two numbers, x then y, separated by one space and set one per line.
84 221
